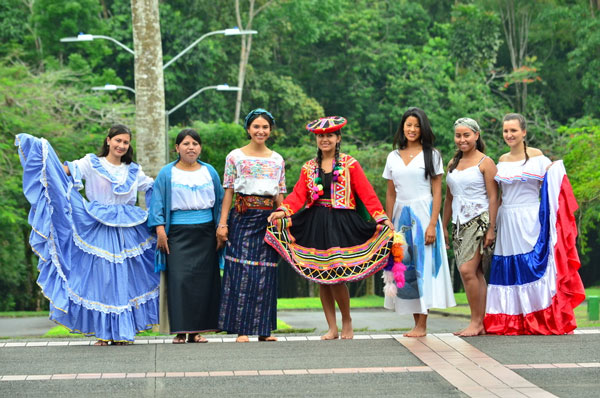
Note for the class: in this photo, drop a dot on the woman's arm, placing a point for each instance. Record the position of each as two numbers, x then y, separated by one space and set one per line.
390 199
362 188
447 214
222 228
436 191
489 170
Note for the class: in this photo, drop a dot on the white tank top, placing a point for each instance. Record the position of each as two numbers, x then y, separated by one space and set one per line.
469 194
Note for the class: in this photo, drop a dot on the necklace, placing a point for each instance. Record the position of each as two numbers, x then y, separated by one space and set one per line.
318 181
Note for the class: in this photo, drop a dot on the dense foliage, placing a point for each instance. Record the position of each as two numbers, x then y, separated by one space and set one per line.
367 60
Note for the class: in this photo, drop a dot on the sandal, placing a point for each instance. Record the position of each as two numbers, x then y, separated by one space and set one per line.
101 343
267 338
196 338
242 339
179 339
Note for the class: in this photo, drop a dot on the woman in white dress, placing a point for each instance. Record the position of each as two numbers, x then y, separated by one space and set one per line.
472 203
532 290
96 254
413 201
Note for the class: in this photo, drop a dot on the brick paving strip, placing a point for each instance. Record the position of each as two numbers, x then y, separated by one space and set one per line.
470 370
218 339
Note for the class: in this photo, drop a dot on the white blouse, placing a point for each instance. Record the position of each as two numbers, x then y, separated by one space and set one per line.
469 195
251 175
409 179
192 190
520 181
101 176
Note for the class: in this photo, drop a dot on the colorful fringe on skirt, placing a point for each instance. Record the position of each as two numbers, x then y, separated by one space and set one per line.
335 262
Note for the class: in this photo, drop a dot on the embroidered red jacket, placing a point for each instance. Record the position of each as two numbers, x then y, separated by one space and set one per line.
354 182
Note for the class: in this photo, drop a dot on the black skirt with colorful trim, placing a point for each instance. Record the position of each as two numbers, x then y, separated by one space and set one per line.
331 246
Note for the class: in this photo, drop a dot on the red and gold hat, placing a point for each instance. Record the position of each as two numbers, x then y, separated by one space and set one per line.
327 124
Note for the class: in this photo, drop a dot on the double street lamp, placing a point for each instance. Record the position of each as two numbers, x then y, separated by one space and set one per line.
219 87
82 37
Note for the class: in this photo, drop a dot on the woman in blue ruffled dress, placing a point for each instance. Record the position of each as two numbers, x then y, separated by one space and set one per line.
186 204
96 255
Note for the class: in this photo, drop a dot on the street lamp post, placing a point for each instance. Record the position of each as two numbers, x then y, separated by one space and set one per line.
227 32
86 37
220 87
112 87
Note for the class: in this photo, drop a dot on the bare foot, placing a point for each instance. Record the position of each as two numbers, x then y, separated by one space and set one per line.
267 338
416 332
101 343
330 335
242 339
179 339
459 332
347 331
472 330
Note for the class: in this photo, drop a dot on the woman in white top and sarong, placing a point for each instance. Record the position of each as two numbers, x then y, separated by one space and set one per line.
413 201
471 203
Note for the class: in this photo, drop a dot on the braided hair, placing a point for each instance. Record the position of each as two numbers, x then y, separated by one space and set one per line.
479 144
522 124
337 164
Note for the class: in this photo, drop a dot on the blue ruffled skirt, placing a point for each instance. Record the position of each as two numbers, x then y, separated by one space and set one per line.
96 262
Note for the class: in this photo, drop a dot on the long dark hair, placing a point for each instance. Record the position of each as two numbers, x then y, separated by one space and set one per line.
522 124
115 130
479 145
427 138
337 157
187 133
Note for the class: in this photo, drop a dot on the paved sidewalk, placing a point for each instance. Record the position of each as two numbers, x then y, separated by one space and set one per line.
376 364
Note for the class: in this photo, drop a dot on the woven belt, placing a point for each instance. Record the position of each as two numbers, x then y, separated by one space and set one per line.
323 202
245 202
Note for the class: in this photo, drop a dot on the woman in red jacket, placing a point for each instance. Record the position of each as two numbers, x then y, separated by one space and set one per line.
329 242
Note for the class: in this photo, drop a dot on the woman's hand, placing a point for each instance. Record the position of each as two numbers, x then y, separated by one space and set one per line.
430 235
276 215
490 237
222 232
161 239
389 224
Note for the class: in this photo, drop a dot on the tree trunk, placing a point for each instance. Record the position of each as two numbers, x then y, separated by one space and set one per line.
515 23
149 86
245 50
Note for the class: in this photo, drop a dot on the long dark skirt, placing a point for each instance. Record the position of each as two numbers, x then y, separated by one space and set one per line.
193 279
249 298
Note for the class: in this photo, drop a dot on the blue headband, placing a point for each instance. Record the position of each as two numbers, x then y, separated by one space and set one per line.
258 111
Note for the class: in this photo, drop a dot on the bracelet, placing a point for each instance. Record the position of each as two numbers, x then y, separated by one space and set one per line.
223 226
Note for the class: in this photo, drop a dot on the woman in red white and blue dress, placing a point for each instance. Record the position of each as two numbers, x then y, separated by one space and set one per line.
534 284
328 242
